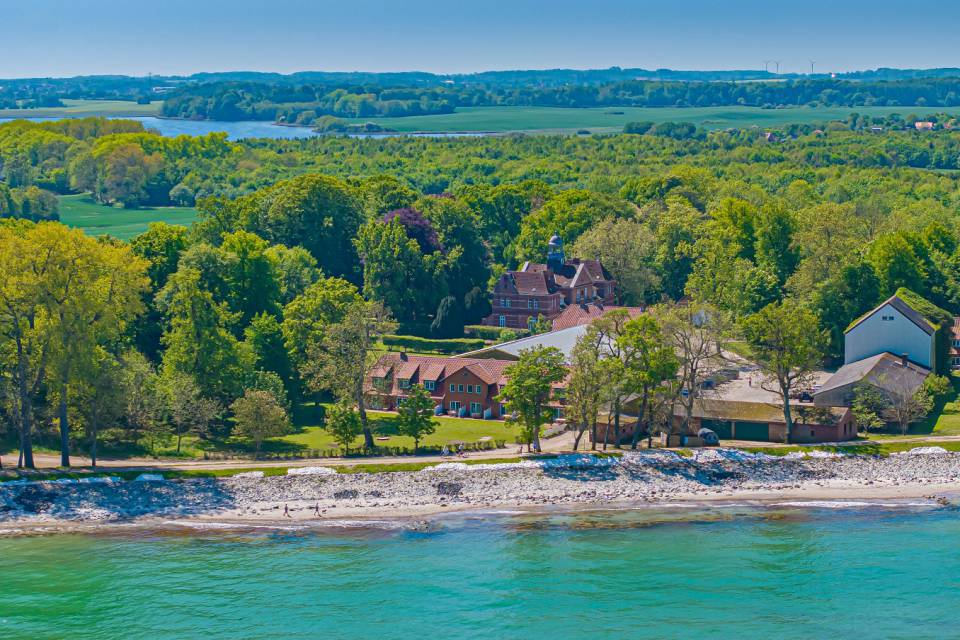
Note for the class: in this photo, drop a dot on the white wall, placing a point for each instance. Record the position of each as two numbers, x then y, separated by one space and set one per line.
900 335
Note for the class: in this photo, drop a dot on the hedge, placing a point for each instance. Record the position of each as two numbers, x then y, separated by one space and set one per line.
493 333
453 346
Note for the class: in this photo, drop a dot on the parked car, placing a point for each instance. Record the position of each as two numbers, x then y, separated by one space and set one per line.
708 437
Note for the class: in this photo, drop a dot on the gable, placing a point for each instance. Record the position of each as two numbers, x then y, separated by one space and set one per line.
902 309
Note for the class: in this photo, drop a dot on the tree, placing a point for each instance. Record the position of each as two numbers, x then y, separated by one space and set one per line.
265 340
397 273
868 406
569 213
448 321
252 280
319 213
586 388
259 416
186 407
99 396
907 403
306 317
343 423
415 415
696 333
788 345
529 385
197 340
626 248
340 361
144 402
650 361
896 264
296 270
91 291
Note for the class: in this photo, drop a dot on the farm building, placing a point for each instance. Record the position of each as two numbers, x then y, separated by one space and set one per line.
885 371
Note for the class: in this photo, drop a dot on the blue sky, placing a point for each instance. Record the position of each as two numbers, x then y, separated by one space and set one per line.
73 37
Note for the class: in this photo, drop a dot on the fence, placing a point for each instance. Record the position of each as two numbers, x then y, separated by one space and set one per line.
307 454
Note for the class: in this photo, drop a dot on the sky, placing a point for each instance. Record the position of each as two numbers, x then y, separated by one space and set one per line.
40 38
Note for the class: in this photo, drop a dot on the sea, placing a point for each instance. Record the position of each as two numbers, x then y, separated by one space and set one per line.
854 569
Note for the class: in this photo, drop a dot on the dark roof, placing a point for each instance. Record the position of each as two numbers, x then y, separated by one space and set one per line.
907 310
880 370
531 283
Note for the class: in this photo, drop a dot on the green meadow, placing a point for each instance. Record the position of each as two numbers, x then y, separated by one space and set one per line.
83 212
84 108
612 119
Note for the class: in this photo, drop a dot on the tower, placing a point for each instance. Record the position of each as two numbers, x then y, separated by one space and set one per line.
555 257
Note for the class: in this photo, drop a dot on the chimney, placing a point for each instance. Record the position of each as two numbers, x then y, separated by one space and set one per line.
905 360
403 356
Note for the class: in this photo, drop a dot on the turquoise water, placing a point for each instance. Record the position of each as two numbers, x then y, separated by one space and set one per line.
724 573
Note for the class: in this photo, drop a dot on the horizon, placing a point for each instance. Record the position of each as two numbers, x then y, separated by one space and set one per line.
105 38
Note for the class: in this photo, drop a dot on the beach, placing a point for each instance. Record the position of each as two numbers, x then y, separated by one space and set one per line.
320 494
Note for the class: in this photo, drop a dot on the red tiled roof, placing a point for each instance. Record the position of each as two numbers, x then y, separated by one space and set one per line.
431 371
406 370
531 283
488 370
576 315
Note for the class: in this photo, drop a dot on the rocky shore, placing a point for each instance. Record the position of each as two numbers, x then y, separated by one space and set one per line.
654 477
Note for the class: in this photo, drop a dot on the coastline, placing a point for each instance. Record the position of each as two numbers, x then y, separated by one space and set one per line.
416 499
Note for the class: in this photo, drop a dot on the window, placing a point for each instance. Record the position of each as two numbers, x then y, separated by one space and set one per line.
429 385
503 409
454 405
557 413
956 343
404 383
476 389
529 303
886 318
459 388
506 303
453 387
536 304
503 321
475 408
469 388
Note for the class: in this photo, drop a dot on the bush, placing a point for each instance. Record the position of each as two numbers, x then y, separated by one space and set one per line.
452 346
497 334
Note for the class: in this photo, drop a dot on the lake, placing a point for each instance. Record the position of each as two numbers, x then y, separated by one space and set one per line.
734 572
251 129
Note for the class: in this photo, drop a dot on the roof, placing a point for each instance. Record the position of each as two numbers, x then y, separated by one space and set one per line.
531 283
882 370
420 368
575 314
915 310
564 340
573 273
740 410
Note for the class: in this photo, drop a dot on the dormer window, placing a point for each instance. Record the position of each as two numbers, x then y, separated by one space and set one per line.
429 385
404 383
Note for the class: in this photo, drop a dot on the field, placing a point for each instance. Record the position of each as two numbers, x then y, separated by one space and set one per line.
84 108
384 425
82 212
612 119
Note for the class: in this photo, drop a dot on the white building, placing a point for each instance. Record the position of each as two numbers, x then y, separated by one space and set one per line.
893 327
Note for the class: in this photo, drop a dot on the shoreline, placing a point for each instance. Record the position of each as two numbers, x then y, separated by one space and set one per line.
407 499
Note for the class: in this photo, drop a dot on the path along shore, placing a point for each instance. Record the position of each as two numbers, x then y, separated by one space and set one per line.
656 478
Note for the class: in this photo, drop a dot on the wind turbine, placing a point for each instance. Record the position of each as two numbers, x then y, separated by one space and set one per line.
812 62
777 62
766 65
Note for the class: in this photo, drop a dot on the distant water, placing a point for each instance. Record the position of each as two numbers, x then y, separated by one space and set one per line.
253 129
869 572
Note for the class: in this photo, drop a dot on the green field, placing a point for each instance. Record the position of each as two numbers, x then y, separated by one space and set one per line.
611 119
84 108
82 212
384 425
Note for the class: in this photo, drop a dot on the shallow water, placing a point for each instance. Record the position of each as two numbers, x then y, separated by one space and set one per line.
868 571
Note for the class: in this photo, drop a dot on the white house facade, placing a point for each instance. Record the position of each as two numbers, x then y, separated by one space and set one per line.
893 327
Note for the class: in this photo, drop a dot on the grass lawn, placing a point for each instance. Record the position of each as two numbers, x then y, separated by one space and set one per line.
82 212
85 108
310 436
612 119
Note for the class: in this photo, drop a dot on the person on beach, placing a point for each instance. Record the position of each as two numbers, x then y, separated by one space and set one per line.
316 509
286 511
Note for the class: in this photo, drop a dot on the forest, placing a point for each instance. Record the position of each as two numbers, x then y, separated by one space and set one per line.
304 246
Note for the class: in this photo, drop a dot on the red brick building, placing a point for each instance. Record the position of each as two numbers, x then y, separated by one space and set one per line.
461 387
547 289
